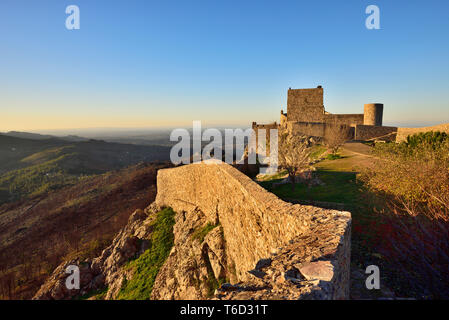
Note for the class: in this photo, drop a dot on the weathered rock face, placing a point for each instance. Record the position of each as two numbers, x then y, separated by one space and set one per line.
185 274
261 246
188 273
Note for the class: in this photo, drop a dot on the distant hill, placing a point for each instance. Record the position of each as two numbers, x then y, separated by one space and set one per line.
37 136
29 167
27 135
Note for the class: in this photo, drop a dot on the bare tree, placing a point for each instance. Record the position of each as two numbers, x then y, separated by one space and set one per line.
294 155
336 135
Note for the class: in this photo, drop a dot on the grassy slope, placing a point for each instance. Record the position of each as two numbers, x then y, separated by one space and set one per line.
147 266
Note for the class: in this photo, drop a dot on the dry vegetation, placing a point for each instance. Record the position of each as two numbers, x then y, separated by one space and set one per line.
335 136
294 155
412 179
39 233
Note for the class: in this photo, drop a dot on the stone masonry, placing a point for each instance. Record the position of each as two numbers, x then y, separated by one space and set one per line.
279 250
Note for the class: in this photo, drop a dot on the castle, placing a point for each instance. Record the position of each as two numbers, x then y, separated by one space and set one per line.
306 115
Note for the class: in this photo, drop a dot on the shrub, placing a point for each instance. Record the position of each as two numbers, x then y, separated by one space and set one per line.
431 138
412 179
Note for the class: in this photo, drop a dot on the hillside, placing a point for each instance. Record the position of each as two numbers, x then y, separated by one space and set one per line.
30 167
13 150
38 233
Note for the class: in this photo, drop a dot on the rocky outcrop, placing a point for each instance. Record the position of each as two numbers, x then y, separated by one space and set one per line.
191 271
232 240
106 270
194 265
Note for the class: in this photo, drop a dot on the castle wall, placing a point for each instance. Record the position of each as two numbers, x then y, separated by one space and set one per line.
307 128
283 119
318 129
364 132
349 119
257 224
305 105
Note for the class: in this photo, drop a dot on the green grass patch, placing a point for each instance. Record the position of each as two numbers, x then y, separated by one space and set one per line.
271 177
201 233
317 152
147 266
333 156
98 294
340 187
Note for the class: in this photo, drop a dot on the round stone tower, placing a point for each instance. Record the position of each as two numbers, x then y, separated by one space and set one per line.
373 114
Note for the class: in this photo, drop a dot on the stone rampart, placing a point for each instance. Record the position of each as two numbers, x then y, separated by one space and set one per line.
257 225
348 119
365 132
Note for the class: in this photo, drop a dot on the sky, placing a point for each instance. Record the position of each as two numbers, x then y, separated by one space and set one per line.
147 64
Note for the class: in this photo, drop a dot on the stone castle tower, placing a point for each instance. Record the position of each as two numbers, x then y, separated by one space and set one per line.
373 114
306 115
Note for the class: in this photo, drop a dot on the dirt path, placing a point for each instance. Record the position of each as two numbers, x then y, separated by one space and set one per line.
358 148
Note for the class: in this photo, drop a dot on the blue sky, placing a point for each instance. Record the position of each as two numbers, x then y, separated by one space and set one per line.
166 63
